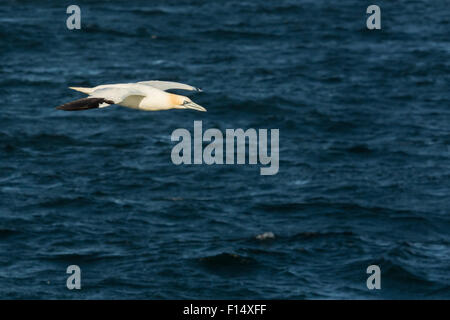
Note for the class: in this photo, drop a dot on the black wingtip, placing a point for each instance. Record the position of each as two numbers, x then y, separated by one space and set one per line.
83 104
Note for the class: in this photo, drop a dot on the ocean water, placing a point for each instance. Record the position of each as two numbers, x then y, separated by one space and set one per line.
364 174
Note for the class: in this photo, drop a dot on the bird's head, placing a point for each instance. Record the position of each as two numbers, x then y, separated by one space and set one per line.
182 102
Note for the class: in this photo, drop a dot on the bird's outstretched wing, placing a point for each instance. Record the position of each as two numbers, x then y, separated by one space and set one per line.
101 98
85 104
167 85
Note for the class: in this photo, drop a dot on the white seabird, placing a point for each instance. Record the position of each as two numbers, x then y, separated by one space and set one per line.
145 95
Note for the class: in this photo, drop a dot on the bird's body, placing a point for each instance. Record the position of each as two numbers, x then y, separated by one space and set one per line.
146 95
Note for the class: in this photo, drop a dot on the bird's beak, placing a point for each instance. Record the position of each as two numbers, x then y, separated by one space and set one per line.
194 106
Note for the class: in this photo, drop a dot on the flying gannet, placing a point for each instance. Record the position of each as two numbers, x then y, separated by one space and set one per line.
145 95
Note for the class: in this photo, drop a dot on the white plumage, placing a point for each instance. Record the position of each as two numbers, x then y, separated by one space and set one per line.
145 95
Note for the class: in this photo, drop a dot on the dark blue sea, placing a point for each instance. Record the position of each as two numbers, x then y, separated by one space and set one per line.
364 146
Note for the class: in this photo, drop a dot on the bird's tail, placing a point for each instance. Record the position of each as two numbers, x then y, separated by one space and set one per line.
81 89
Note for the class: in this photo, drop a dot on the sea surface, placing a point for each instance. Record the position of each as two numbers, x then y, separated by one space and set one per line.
364 146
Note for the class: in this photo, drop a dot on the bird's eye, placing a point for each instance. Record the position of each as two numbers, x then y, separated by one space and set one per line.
185 102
